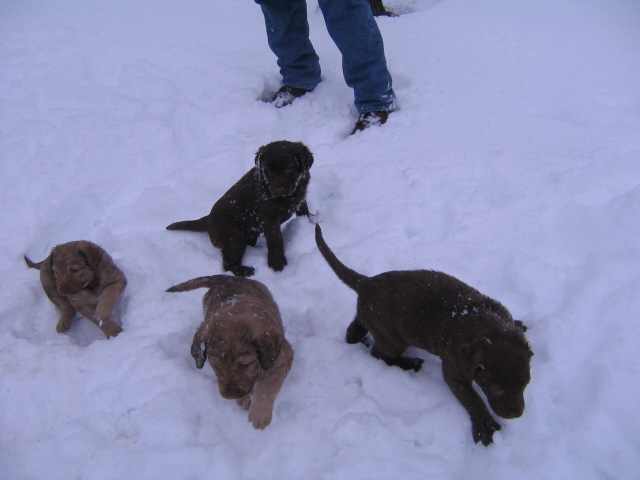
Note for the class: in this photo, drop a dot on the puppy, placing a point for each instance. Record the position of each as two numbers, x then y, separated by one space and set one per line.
475 336
243 338
81 276
264 198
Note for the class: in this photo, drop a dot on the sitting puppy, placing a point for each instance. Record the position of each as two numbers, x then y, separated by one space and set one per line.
81 276
264 198
475 336
243 338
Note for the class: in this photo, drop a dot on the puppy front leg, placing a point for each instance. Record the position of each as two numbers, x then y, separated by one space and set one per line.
267 388
109 327
303 209
275 246
104 308
106 302
66 309
245 402
482 423
66 315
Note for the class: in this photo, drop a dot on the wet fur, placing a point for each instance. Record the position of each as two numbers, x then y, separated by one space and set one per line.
81 276
264 198
242 337
474 335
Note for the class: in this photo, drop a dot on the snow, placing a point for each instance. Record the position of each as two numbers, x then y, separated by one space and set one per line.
512 164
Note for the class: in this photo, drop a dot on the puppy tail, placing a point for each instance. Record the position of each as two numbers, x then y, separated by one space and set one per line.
200 282
199 225
351 278
31 264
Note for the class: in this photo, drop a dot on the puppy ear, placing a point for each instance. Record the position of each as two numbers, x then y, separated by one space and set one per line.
305 157
268 346
471 356
199 346
91 253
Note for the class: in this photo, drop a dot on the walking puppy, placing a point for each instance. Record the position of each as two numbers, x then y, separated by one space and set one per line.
81 276
243 338
264 198
475 336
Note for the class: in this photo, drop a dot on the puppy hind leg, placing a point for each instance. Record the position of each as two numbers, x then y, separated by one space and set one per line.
67 311
356 332
396 359
232 253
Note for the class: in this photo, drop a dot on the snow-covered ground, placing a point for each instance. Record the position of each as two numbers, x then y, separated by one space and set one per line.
513 163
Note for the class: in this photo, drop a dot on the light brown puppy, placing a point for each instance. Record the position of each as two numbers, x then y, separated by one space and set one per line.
243 338
81 276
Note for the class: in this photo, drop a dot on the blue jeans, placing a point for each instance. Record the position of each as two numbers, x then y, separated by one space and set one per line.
352 27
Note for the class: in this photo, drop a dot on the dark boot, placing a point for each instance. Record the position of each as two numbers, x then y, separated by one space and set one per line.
287 95
370 119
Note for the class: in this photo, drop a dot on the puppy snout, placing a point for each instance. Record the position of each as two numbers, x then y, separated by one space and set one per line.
232 392
281 190
509 411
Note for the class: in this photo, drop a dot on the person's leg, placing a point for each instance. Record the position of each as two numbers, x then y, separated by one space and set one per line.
353 28
288 36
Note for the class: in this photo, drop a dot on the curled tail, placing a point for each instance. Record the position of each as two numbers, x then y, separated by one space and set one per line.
351 278
199 225
200 282
31 264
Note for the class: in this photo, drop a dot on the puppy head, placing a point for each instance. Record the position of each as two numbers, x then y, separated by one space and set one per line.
500 366
73 265
282 165
236 354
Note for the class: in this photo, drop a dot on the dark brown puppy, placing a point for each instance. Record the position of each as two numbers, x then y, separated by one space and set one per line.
475 336
243 338
265 197
82 276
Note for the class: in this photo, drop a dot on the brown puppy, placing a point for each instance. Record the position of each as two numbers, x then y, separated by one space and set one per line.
243 338
265 197
475 336
81 276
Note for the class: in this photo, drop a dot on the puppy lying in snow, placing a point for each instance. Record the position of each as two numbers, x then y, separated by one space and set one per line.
81 276
243 338
475 336
264 198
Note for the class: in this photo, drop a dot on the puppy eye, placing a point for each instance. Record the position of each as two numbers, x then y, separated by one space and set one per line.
75 270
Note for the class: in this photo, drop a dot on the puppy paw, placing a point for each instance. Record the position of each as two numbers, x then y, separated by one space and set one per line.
417 364
242 271
63 326
406 363
260 419
108 327
484 429
277 264
244 402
